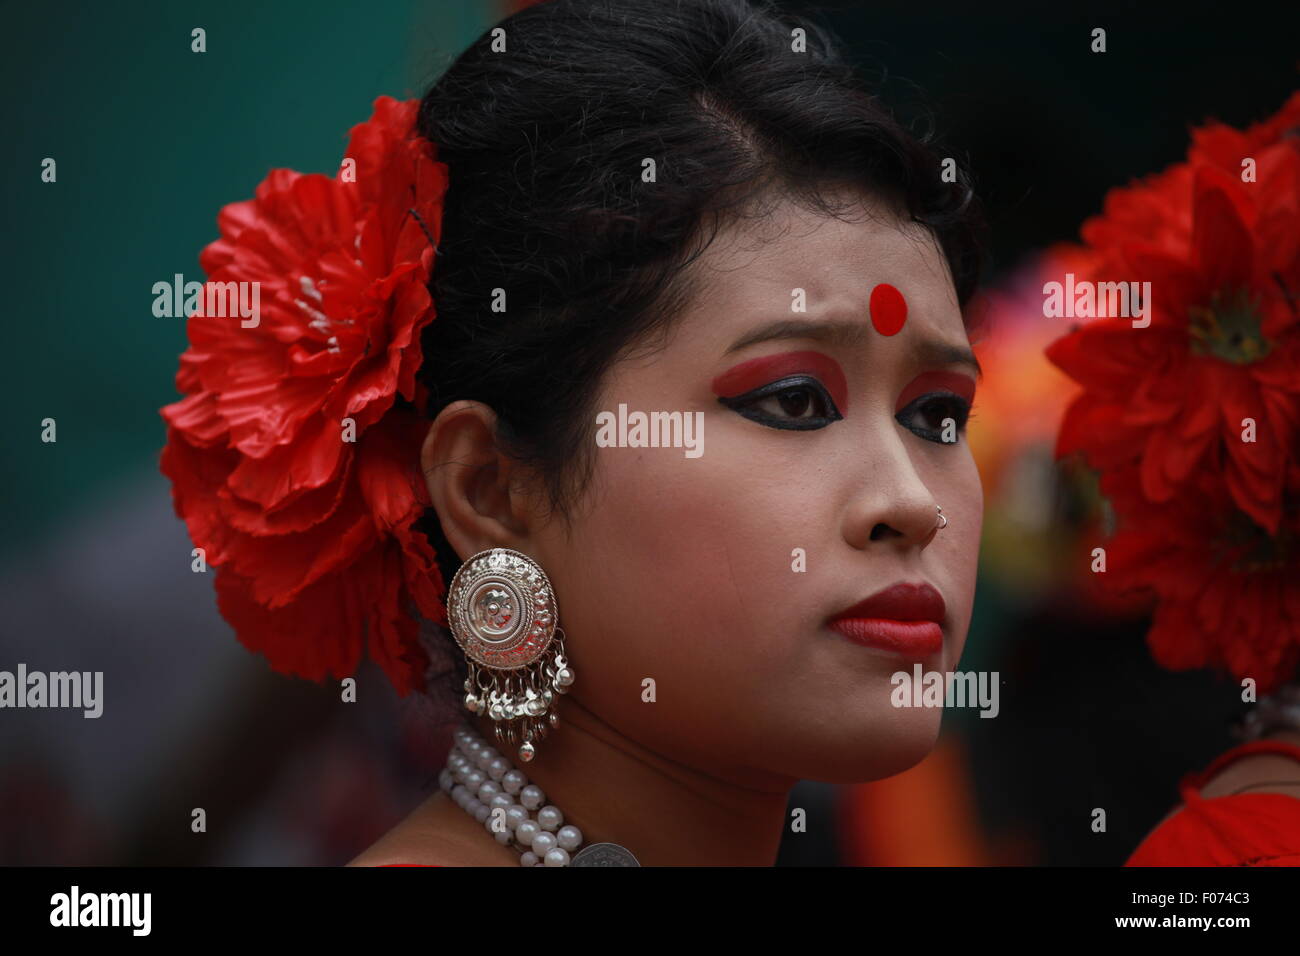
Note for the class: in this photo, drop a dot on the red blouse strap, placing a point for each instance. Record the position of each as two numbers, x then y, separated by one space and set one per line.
1192 783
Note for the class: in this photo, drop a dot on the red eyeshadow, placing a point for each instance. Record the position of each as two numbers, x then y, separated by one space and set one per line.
954 382
769 368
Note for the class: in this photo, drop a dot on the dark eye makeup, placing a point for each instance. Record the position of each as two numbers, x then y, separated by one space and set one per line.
802 391
926 416
797 402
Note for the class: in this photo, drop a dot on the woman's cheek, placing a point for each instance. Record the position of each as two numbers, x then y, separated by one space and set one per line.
685 573
962 498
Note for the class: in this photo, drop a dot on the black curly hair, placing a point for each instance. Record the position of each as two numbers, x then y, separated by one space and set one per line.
546 123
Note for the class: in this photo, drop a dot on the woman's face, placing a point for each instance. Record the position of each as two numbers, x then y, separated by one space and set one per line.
715 575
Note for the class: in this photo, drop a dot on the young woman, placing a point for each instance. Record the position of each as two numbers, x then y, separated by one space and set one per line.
695 375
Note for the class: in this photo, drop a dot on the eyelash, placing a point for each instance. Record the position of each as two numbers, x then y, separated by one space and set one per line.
941 405
944 405
746 405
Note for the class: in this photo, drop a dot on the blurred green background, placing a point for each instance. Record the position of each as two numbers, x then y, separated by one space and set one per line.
151 140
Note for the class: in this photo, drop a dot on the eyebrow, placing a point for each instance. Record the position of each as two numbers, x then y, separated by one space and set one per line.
851 335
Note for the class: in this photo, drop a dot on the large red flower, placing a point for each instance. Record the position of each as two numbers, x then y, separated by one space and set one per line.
1194 421
1227 591
1223 260
293 463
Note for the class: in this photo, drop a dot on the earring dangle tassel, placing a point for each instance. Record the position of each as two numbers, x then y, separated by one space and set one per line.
503 614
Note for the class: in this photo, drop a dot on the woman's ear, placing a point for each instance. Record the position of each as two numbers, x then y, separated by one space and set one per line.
479 492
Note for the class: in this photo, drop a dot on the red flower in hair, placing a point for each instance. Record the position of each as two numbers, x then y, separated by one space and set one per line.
1194 421
1223 260
294 454
1227 590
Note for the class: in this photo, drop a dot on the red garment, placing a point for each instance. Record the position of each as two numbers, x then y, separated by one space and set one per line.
1244 829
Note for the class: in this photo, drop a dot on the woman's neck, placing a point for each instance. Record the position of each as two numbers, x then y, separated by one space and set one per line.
663 812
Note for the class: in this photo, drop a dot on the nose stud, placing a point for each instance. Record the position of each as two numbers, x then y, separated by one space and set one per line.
943 519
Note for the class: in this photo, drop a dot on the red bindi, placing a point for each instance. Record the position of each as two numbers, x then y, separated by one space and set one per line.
769 368
888 309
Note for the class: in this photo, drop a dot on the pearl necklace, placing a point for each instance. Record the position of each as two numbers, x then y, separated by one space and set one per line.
480 780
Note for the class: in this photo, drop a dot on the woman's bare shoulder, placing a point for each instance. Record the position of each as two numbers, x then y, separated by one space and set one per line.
437 833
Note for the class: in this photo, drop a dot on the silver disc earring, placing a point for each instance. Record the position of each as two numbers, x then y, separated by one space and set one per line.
503 614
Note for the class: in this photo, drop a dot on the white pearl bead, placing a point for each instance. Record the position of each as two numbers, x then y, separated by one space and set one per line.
484 782
527 831
515 816
550 817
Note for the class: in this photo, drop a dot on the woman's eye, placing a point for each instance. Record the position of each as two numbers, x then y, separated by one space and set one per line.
796 402
938 417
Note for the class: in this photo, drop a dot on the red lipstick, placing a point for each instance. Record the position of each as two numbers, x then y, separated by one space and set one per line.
904 618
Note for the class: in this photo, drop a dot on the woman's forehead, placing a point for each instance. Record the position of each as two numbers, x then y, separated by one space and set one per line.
799 264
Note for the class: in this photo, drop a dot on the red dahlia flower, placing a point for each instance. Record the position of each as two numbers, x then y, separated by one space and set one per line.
1194 421
1227 590
1224 341
292 462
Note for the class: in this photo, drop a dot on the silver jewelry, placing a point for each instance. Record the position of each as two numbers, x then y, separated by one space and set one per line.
942 520
1279 710
503 614
604 854
481 781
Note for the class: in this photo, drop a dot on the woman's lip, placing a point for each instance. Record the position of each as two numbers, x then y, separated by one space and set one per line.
909 638
905 601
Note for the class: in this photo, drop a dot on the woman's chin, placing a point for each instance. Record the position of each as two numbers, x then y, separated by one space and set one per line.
872 754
